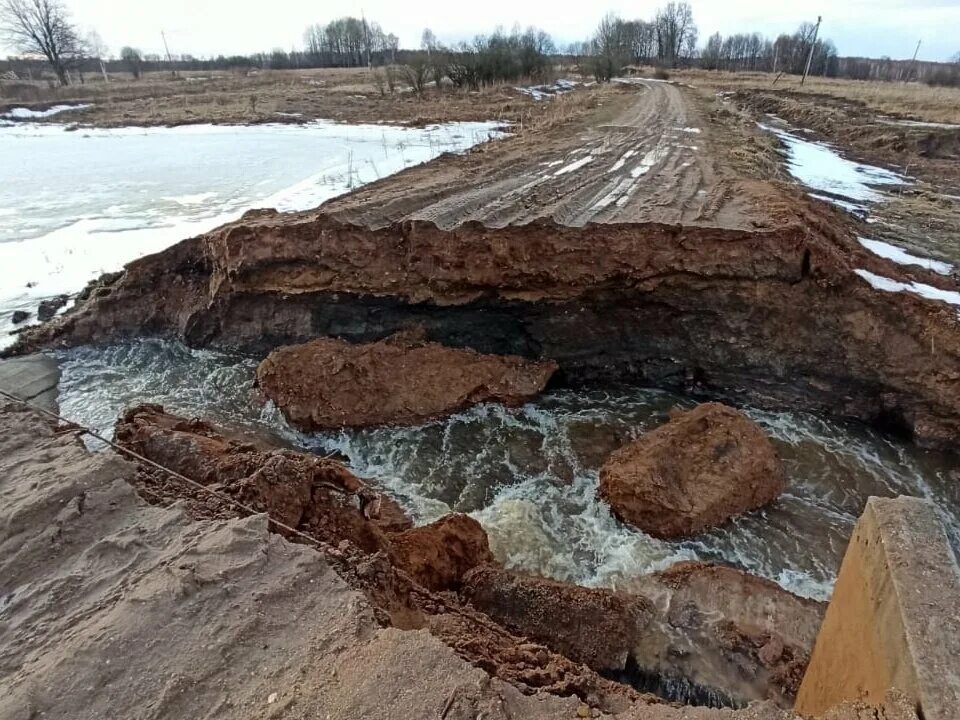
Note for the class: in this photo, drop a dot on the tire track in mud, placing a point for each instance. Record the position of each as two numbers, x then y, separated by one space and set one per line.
650 163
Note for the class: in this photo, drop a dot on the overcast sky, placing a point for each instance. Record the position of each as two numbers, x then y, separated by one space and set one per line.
211 27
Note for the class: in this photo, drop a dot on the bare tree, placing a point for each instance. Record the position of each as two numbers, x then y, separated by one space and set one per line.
97 49
676 32
428 41
42 27
134 60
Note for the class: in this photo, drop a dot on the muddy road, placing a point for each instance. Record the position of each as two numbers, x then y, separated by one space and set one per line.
647 156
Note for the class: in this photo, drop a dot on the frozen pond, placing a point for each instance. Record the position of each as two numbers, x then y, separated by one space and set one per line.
76 204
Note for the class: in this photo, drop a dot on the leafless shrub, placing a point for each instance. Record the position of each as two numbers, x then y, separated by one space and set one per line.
378 78
417 74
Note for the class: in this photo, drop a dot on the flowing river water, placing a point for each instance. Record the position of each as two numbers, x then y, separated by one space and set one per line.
529 475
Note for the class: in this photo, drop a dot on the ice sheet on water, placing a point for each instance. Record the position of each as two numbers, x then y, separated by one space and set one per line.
87 202
902 257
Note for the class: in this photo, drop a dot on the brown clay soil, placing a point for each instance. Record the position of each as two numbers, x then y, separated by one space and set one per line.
329 383
693 473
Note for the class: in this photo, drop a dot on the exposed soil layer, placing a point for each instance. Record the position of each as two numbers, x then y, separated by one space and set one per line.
695 472
691 277
779 314
329 383
594 626
709 635
401 572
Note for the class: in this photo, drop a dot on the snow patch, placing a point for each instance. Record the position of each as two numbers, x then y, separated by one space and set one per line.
902 257
22 113
837 180
878 282
575 165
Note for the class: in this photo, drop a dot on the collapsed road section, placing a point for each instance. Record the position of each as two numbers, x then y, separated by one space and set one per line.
778 314
697 273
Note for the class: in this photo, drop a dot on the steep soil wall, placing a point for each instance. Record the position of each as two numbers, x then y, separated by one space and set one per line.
778 314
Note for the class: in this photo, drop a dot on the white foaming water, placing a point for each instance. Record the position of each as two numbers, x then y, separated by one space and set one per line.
77 204
530 475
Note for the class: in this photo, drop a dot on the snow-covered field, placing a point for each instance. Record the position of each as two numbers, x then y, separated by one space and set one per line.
75 204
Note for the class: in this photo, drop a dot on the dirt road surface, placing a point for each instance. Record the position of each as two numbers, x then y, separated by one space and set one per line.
651 157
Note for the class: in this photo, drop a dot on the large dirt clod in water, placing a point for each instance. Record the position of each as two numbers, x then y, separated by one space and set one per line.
724 632
330 383
596 627
695 472
439 554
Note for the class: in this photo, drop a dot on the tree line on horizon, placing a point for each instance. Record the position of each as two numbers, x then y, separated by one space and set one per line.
42 28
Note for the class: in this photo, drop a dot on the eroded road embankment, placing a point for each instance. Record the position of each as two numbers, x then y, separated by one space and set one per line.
750 289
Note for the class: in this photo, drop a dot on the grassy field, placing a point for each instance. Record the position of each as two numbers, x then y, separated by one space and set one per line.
910 100
350 95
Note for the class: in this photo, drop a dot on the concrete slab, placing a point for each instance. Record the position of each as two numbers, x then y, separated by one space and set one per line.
32 377
894 619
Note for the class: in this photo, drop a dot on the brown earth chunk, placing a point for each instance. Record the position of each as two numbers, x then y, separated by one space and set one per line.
695 472
596 627
723 629
330 383
439 554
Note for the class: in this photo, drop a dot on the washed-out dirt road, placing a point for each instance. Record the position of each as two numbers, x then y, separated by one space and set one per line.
647 240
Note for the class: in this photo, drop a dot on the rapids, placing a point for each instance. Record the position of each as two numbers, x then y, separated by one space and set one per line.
529 475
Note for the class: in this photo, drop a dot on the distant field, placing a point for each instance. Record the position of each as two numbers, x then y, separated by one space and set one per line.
350 95
914 100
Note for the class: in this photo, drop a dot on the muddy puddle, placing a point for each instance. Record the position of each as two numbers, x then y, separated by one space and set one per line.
530 475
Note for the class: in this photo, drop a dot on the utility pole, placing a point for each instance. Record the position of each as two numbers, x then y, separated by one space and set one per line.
776 55
366 35
816 31
167 48
913 63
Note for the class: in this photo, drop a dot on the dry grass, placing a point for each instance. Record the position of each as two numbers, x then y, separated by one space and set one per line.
913 100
